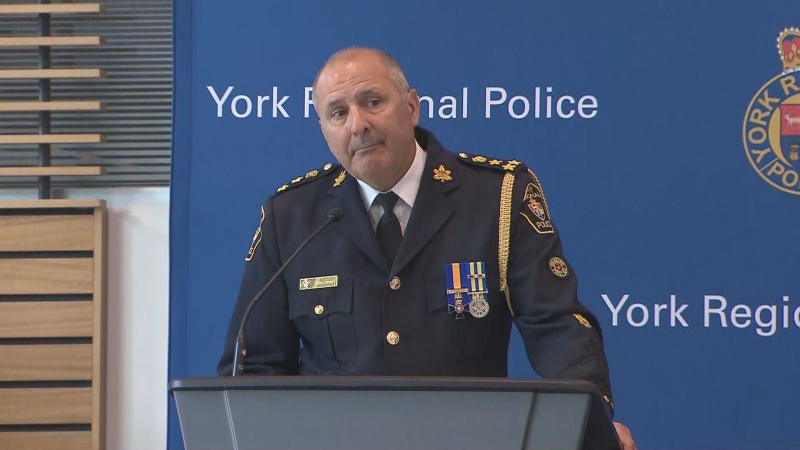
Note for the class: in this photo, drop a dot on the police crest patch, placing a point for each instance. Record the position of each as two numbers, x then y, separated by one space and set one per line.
256 238
771 130
559 267
534 207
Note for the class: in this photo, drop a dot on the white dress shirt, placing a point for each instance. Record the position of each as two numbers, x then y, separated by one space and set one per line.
406 189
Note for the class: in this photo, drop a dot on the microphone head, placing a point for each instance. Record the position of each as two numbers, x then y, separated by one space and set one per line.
336 213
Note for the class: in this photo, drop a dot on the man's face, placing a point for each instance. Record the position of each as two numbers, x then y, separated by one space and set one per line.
368 127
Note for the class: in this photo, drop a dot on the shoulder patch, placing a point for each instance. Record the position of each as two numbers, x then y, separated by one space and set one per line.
308 176
534 206
489 162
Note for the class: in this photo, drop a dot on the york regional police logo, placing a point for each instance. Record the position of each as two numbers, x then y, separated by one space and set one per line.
771 130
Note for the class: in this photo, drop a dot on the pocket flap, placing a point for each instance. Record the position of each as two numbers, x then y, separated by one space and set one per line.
321 303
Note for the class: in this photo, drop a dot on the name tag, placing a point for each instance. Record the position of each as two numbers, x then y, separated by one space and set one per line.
328 281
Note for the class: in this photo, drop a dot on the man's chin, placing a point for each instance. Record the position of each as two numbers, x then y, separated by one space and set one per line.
373 174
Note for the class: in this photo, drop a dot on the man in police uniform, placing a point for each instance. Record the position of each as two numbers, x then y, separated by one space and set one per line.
433 257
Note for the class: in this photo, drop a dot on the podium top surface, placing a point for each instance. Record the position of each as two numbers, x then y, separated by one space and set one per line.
377 383
525 413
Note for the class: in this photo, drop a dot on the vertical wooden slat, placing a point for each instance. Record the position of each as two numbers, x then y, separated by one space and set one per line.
99 295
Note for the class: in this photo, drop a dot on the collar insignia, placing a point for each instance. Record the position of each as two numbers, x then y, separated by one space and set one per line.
442 174
339 179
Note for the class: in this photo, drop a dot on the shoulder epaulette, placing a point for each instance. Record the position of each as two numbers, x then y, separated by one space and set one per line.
327 169
489 162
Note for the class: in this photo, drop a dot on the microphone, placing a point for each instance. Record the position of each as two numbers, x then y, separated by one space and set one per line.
240 351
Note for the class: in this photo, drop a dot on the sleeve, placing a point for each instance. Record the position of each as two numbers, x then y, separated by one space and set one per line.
562 337
271 340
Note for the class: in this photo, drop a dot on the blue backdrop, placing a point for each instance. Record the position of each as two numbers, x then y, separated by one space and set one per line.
680 215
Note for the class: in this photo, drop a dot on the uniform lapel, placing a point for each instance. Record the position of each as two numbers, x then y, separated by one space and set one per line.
431 208
355 224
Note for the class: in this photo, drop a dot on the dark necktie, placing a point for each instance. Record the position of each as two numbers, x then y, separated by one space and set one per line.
388 231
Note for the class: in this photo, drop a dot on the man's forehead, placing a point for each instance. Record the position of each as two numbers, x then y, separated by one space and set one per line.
351 79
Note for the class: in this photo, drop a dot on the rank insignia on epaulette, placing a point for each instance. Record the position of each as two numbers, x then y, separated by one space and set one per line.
585 322
339 179
480 160
311 174
442 174
256 238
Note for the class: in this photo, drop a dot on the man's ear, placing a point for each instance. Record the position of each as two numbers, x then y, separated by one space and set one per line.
413 105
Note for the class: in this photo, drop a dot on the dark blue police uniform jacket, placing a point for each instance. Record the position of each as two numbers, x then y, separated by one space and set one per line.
396 320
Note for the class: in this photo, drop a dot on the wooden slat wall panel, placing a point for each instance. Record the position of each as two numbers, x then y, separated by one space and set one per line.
45 362
46 276
45 440
46 233
28 227
46 319
26 406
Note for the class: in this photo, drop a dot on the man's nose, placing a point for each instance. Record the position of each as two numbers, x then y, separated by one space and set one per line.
359 123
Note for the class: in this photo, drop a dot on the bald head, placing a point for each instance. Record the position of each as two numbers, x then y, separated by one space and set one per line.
348 54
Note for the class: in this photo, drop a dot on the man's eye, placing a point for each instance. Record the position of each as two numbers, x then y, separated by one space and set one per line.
337 113
374 102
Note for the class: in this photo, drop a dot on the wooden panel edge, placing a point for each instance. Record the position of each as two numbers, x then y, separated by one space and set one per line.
99 334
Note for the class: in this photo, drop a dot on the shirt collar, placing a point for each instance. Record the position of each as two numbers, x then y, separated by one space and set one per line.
406 188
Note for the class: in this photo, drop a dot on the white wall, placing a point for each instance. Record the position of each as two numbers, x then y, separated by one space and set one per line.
138 313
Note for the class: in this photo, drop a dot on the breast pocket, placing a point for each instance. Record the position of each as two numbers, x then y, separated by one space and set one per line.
325 322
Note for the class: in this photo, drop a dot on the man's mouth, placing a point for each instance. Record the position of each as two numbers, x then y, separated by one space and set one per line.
365 148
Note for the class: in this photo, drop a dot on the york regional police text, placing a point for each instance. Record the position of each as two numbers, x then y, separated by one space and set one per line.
534 103
717 312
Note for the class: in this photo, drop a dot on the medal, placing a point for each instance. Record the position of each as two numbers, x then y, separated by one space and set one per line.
466 289
479 307
456 288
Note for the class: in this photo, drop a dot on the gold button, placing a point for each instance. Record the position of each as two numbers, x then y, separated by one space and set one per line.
319 309
395 283
393 338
